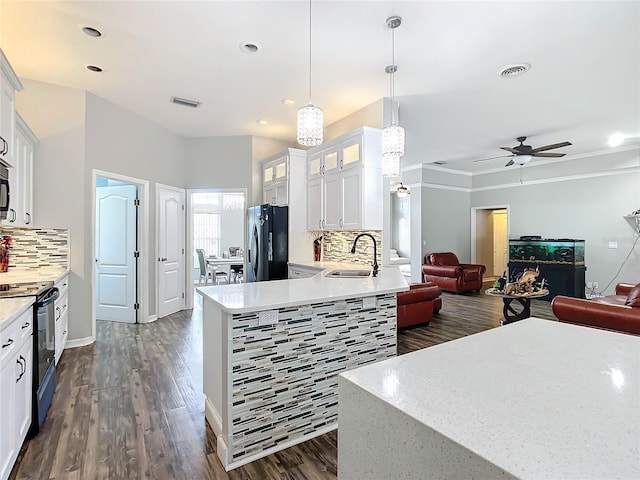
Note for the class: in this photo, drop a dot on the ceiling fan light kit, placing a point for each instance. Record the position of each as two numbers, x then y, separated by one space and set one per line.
523 154
310 118
393 138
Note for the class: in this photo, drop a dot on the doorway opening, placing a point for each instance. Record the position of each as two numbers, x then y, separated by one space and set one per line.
119 226
217 221
490 238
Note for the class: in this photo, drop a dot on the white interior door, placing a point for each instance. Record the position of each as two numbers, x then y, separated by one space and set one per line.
115 253
170 250
500 242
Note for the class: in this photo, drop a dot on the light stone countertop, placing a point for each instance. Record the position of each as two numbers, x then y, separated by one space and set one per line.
537 398
43 274
11 308
255 296
325 264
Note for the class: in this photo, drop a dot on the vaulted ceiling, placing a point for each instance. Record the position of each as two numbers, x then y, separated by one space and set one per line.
583 84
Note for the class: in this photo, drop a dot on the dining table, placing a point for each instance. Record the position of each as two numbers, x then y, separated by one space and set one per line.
216 262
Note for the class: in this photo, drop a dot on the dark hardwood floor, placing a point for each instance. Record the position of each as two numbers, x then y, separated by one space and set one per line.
131 406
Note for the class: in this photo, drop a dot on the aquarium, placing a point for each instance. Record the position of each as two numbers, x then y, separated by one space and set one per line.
547 251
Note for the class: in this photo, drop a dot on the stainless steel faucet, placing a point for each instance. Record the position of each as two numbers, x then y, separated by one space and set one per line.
375 251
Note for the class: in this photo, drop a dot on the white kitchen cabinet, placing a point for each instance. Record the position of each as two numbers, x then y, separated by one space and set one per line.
21 177
349 172
16 366
314 204
9 85
275 180
61 306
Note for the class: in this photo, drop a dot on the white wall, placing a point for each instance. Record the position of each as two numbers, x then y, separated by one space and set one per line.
371 116
118 141
584 204
232 229
57 117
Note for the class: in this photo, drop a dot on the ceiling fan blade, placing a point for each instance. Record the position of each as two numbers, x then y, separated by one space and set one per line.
512 150
549 155
491 158
511 162
550 147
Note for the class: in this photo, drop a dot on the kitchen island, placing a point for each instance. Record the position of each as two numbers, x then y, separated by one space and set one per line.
272 352
530 400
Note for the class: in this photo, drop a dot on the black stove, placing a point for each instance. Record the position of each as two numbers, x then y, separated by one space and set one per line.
27 289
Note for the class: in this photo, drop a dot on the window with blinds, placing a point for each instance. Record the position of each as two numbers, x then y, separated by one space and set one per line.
206 233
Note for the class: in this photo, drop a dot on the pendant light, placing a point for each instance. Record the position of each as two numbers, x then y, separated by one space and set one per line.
402 191
310 118
392 135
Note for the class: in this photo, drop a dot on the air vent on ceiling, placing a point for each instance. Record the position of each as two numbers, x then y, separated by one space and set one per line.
514 70
186 102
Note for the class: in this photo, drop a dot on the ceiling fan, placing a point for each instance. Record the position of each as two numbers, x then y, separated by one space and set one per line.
522 154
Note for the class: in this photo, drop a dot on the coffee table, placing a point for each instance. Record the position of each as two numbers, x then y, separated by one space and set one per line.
516 307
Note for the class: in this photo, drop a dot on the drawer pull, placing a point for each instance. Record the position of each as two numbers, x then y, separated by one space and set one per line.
26 325
8 344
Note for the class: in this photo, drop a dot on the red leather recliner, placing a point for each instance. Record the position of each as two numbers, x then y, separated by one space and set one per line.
612 312
418 304
450 275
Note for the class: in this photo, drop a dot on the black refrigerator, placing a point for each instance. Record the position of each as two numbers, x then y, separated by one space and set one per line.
267 243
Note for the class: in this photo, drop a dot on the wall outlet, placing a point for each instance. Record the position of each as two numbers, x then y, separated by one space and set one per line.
595 285
369 302
613 244
328 247
268 317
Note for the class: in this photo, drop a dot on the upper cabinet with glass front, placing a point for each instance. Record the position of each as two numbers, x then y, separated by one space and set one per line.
344 190
276 174
275 180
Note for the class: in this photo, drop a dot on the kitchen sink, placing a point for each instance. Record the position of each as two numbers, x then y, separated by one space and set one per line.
348 273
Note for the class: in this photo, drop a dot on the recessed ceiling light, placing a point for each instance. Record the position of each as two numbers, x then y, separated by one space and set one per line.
514 70
261 121
616 139
288 102
250 47
94 68
92 32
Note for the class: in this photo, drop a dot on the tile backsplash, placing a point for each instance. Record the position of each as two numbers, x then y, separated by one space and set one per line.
37 248
336 246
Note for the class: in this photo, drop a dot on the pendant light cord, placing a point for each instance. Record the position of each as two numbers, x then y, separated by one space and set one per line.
393 74
310 50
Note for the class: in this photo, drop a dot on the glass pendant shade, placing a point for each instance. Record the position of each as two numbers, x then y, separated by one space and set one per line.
390 165
310 122
392 150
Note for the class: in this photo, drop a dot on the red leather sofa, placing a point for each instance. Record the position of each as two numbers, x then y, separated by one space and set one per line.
450 275
418 304
619 312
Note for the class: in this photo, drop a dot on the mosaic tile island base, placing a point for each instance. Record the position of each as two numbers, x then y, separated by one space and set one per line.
272 352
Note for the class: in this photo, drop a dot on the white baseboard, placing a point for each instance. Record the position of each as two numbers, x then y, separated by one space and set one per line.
150 318
80 342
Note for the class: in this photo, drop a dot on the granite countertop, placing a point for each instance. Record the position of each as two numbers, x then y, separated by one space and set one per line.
251 297
538 398
11 308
